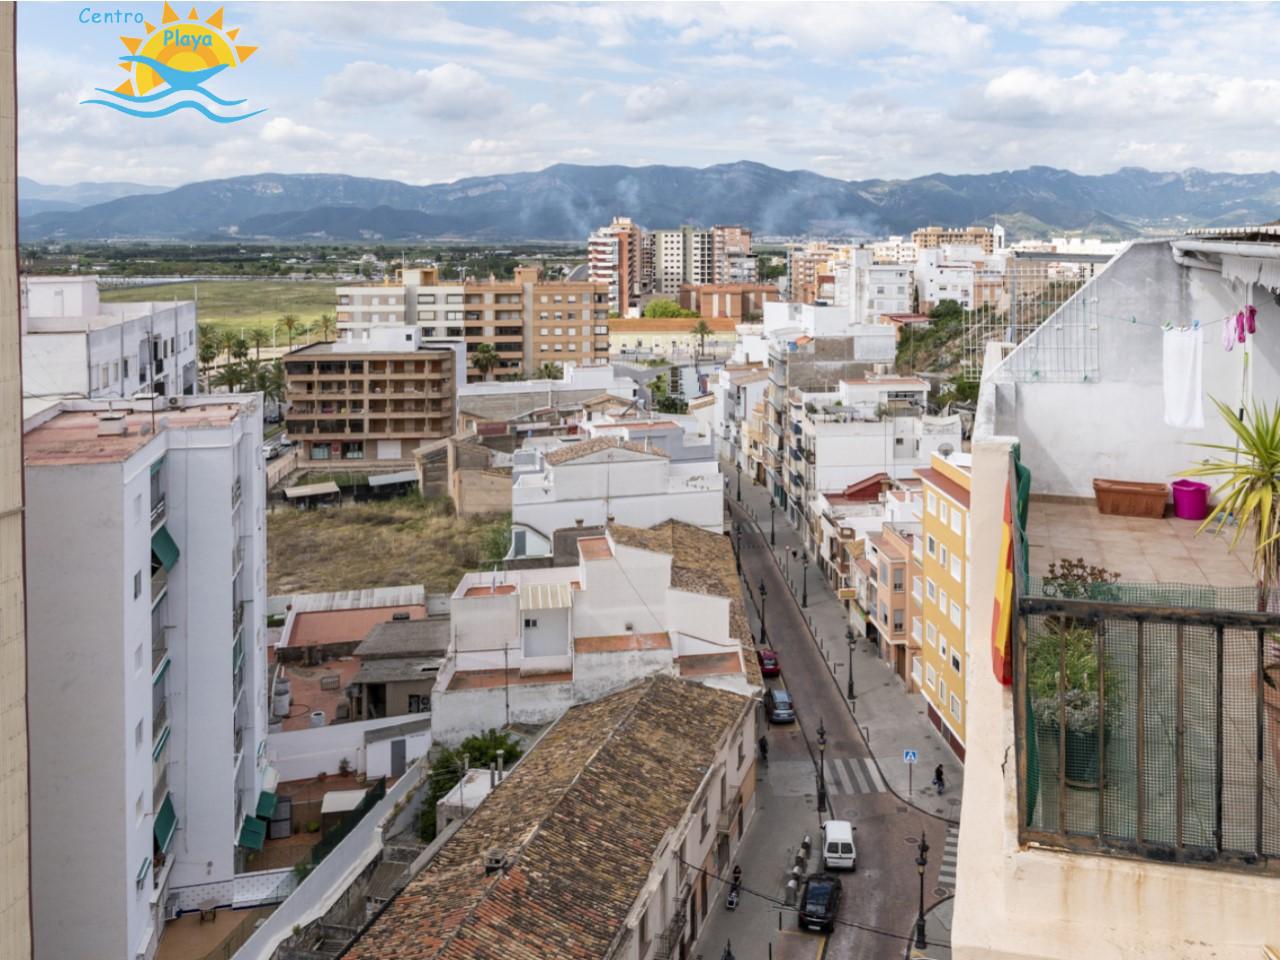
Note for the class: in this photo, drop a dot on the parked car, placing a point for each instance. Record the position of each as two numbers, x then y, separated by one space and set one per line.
779 707
769 665
820 902
276 446
838 849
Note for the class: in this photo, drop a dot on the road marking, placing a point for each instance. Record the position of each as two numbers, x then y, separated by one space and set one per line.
836 782
853 775
873 773
947 875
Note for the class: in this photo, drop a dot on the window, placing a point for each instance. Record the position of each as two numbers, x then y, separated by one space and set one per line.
915 587
137 658
115 371
643 930
931 502
419 703
930 674
931 545
931 634
573 331
942 600
884 614
573 348
530 623
706 820
931 588
955 706
955 660
916 633
942 510
137 507
137 735
542 347
884 572
955 567
453 298
137 584
559 348
956 521
542 331
897 620
742 753
137 808
915 669
942 690
426 314
955 613
426 298
942 645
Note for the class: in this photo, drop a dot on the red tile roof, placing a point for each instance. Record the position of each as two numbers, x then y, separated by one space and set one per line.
316 627
945 484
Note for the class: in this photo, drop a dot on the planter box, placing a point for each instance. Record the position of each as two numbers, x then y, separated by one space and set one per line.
1126 498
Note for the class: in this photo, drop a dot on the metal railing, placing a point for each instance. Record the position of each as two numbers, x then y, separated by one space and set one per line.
161 786
1143 714
160 716
669 940
235 491
158 581
159 647
158 511
237 617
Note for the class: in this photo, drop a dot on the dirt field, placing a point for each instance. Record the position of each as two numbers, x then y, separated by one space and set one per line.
242 303
379 545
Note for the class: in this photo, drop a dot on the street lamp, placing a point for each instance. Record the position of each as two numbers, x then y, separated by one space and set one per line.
737 555
803 557
764 633
922 861
739 466
822 771
853 642
773 542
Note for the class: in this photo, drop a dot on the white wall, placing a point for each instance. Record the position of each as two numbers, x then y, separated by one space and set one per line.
629 588
301 754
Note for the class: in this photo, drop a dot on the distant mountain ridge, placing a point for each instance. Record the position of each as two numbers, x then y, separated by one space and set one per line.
566 202
35 197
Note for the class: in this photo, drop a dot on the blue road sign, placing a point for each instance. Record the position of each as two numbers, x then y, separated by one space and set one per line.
909 756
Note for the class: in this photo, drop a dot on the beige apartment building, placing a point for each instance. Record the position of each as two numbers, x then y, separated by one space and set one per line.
15 872
527 320
376 403
932 237
620 257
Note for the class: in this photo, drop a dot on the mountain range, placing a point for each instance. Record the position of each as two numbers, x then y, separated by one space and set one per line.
566 202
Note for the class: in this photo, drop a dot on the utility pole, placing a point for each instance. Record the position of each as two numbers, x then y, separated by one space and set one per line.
764 633
822 771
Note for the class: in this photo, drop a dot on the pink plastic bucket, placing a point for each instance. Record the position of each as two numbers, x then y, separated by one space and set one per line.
1190 499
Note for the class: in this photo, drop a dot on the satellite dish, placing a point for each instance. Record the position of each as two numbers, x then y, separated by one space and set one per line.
946 450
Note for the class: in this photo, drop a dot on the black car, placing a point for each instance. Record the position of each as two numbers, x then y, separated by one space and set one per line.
779 707
820 902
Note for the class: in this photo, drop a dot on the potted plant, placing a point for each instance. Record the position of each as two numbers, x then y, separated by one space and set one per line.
1248 490
1064 656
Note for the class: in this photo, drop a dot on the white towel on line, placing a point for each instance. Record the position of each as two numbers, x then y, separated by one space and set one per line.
1184 378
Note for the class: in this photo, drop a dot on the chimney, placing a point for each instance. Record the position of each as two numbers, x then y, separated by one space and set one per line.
501 765
111 424
494 861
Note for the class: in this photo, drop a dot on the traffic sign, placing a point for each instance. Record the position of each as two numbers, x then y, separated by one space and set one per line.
909 756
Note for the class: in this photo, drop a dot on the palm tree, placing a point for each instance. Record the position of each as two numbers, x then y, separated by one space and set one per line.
227 341
240 349
702 330
229 375
291 324
1249 488
208 355
258 336
548 371
271 381
484 359
325 327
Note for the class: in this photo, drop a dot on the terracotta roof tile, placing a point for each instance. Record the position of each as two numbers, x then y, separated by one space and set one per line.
579 821
584 448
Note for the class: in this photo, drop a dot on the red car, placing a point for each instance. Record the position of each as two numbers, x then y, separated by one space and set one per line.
769 665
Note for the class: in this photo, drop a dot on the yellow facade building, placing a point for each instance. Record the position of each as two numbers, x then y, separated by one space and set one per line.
944 569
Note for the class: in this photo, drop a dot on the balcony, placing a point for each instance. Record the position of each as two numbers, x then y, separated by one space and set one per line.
159 582
237 617
237 741
235 493
159 717
158 511
161 786
237 557
668 943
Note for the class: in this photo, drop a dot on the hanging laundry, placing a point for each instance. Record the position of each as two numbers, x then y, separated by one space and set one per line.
1228 334
1184 378
1251 318
1240 327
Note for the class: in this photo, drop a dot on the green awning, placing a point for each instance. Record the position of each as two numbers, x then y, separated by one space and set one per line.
162 546
253 834
166 823
266 804
237 654
164 738
164 668
142 870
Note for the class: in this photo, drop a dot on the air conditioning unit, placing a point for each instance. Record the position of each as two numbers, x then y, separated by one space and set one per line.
173 402
171 907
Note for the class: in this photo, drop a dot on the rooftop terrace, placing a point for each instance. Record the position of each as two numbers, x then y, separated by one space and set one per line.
71 437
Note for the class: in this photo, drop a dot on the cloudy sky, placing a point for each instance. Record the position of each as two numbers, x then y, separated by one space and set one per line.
433 92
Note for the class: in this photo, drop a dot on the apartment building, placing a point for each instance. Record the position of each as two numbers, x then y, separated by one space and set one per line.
622 260
944 560
15 861
527 320
1136 814
892 608
894 250
378 399
75 345
731 257
989 239
732 301
960 273
805 264
649 896
146 563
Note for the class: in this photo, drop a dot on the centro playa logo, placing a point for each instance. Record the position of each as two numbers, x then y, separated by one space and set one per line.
169 65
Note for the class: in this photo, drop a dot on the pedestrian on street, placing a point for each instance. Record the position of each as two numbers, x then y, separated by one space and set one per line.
938 780
764 748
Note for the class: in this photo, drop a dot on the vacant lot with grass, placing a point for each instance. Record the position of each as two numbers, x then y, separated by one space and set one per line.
241 303
404 541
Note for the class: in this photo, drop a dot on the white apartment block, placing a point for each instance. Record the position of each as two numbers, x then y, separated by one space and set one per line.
608 479
75 345
737 393
894 250
146 564
668 261
528 644
961 273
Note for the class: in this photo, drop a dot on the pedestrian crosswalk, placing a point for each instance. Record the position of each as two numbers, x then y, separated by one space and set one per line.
947 876
854 775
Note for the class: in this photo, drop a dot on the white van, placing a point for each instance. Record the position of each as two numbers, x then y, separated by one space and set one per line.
838 850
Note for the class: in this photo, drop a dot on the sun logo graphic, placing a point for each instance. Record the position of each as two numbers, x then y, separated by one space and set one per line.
173 60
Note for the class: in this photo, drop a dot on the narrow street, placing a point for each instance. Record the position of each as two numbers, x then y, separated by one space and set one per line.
881 899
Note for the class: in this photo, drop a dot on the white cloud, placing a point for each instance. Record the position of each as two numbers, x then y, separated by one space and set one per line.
654 101
450 91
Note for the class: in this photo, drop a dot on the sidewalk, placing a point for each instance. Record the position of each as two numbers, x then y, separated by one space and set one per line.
937 932
891 719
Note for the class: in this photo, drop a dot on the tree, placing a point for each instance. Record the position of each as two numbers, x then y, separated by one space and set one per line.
701 330
240 349
291 323
229 375
485 359
271 381
476 752
549 370
947 311
660 308
325 327
227 341
208 355
258 336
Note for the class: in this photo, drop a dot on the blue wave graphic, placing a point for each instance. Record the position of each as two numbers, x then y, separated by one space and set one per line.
173 108
178 81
